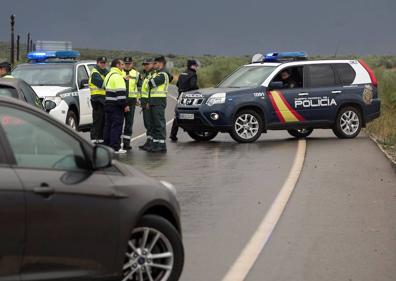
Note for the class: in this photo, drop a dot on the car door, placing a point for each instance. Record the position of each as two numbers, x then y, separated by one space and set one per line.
84 95
72 211
12 216
319 104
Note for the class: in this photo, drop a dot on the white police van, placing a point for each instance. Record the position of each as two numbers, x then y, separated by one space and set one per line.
56 74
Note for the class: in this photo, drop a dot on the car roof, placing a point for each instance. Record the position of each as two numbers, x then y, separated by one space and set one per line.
13 82
300 62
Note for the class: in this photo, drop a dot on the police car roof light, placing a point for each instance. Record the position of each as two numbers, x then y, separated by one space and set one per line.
44 55
285 56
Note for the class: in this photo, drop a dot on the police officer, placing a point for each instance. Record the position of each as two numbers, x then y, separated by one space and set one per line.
287 79
115 105
132 79
143 84
158 85
188 81
5 70
98 94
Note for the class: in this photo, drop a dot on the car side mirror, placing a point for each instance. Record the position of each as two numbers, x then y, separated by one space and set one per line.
49 105
276 85
84 84
102 157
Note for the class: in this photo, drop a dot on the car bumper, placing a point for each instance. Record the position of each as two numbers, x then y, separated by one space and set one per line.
60 112
374 111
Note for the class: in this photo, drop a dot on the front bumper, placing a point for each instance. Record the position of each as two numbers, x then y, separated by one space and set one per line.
60 112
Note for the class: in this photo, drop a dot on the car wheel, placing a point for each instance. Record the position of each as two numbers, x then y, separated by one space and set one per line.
348 123
247 126
154 252
71 120
202 136
300 133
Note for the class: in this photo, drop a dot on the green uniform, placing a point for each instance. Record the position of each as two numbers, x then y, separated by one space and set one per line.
132 92
144 101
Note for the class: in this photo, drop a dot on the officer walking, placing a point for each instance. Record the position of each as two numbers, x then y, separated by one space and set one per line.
158 85
115 105
132 79
98 95
188 81
143 84
5 70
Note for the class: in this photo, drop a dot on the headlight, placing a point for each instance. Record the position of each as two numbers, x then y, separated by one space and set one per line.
56 100
216 99
169 186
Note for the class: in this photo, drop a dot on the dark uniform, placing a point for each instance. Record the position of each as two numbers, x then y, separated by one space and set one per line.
115 104
98 95
132 95
188 81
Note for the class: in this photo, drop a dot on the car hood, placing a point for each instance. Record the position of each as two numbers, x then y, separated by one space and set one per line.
49 91
207 92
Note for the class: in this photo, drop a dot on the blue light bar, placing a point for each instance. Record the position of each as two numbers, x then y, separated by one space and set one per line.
285 56
43 55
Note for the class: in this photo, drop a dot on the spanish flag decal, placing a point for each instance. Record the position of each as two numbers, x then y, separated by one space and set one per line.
283 109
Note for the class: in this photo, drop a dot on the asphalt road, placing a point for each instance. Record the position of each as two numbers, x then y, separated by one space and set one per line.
339 223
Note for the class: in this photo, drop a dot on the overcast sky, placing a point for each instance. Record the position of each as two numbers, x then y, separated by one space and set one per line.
221 27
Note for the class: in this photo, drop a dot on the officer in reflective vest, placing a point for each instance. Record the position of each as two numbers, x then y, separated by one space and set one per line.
5 70
98 94
159 85
143 84
131 79
115 105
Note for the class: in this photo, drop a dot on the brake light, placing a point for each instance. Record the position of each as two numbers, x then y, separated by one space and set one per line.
370 72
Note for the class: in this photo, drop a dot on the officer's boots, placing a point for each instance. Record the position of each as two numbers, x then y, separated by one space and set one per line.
147 146
127 145
158 147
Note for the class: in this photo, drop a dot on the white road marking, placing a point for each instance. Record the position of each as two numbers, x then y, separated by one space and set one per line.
252 250
167 123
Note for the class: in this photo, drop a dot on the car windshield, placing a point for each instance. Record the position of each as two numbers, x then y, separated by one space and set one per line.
247 76
45 74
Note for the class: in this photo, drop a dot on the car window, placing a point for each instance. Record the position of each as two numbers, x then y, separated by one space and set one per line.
45 74
345 73
81 74
90 66
247 76
291 77
321 75
6 91
30 95
36 143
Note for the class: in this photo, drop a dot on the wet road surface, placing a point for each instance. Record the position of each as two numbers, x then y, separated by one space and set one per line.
339 224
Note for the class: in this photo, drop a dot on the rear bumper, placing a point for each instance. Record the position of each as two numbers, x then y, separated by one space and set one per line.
373 111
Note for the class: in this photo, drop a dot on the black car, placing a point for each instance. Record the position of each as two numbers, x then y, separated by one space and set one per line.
70 212
19 89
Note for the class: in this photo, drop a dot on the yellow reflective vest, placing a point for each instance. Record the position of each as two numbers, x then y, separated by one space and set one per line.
162 90
95 90
133 84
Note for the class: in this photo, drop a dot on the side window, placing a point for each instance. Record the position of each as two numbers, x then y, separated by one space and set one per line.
291 77
30 96
321 75
90 66
36 143
6 91
345 73
81 74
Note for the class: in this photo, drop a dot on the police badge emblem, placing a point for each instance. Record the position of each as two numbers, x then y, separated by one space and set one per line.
368 94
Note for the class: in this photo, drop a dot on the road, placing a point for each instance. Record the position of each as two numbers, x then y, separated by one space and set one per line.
339 223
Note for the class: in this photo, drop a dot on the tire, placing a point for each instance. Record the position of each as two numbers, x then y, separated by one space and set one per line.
300 133
202 136
71 120
247 126
348 123
169 244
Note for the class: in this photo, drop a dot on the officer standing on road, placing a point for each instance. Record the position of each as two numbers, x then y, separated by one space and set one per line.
115 105
159 85
5 70
132 78
188 81
98 95
143 84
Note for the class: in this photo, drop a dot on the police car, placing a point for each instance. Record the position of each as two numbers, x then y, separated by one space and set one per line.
57 76
331 94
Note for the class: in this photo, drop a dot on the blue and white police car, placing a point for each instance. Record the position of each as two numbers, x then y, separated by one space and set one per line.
58 76
283 91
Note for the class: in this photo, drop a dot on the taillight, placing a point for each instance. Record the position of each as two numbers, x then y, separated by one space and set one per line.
370 72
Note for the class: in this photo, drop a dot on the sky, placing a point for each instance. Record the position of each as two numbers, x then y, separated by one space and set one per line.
218 27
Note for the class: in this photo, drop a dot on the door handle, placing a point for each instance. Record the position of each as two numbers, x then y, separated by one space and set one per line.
44 190
303 94
336 92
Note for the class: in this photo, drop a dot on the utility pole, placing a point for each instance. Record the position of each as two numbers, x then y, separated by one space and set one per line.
31 45
12 57
28 43
17 54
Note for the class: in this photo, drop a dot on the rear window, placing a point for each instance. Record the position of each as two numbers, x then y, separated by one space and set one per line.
321 75
6 91
345 73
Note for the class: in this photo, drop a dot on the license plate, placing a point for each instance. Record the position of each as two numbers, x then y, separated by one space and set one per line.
186 116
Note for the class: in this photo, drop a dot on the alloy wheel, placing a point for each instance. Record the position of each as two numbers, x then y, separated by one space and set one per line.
349 122
246 126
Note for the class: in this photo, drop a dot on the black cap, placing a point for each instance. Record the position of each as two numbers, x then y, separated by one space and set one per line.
148 61
5 64
101 59
191 63
128 60
160 59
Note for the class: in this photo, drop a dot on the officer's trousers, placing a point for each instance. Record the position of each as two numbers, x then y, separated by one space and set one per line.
113 126
128 124
98 118
147 119
157 114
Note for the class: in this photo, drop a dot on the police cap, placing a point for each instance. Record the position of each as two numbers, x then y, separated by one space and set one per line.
6 65
160 59
148 61
128 60
101 59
